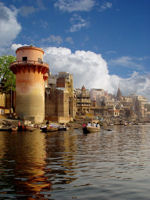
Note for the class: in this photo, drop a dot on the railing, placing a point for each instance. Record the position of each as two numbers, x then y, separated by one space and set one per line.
30 62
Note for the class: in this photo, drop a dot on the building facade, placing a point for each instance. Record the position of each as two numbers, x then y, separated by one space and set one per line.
60 103
83 101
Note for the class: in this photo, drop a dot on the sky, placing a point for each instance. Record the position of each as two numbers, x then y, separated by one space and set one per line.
103 43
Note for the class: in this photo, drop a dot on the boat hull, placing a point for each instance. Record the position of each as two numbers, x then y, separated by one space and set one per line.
48 129
90 129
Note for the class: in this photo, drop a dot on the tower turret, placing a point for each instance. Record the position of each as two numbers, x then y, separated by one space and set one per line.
31 73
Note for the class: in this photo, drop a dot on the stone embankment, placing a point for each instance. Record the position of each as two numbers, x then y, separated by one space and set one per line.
8 123
76 124
107 122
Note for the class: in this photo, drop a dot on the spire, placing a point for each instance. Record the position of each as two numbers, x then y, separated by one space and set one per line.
119 94
83 88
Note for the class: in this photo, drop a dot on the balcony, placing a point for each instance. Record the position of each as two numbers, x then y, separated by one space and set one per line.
22 65
30 62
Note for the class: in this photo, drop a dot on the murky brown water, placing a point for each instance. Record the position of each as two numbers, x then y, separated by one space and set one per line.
70 165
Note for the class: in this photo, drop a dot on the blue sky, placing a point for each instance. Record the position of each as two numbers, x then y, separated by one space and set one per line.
109 37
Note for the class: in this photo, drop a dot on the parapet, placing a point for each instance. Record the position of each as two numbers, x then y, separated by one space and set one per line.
29 58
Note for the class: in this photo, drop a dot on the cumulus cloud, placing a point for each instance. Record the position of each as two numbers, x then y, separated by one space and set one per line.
106 5
74 5
52 39
40 4
77 23
88 68
91 70
137 83
26 10
126 61
69 40
9 26
16 46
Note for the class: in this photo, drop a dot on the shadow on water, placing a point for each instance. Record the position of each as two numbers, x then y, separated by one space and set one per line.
71 165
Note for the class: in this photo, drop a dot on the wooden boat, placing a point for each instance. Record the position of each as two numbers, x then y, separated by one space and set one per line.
25 128
93 129
14 129
30 128
5 129
17 128
90 129
62 128
49 129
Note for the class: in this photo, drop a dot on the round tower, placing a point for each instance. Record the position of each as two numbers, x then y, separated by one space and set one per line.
31 73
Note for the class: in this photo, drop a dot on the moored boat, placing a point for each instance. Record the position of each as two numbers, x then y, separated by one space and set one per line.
14 129
53 127
5 129
91 129
49 129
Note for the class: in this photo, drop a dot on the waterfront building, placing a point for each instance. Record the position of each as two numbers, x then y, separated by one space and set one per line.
2 103
60 103
97 93
83 101
31 74
139 105
7 103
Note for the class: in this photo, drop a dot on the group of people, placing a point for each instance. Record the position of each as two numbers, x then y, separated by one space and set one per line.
21 127
91 124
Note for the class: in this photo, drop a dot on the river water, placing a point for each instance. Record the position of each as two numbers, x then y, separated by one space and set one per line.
70 165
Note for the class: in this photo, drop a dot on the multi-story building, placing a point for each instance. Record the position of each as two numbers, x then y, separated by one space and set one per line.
59 98
139 103
83 101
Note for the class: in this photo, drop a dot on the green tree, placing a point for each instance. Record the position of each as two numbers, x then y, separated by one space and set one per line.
7 78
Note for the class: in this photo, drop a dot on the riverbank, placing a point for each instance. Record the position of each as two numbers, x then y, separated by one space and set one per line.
76 124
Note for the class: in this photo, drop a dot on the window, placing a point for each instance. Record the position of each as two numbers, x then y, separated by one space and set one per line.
40 60
24 58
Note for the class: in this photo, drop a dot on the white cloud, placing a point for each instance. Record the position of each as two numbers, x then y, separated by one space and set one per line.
52 39
91 70
16 46
69 40
126 61
26 10
137 83
105 6
87 67
111 52
77 23
74 5
40 4
9 26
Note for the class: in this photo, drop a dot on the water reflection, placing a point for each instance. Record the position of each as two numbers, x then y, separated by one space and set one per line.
2 146
23 164
66 165
61 151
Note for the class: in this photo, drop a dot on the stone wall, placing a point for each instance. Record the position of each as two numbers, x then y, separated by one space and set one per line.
57 105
